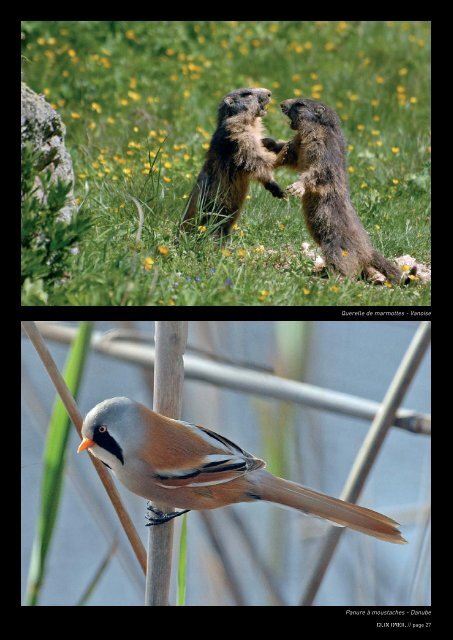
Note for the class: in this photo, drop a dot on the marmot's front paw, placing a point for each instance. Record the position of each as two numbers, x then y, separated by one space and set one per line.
296 189
270 144
276 191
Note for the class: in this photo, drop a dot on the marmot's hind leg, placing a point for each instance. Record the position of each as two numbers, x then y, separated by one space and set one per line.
341 261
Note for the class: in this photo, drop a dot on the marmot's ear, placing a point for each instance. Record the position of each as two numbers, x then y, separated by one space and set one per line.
228 100
324 116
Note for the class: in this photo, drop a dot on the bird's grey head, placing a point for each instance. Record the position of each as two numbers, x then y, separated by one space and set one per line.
106 429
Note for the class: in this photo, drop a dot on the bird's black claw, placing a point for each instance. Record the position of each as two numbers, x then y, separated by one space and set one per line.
161 517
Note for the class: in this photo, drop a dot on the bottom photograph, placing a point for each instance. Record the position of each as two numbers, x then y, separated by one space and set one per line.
226 463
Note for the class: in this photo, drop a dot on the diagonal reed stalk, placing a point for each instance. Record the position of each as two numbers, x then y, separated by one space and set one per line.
54 466
75 472
370 448
71 407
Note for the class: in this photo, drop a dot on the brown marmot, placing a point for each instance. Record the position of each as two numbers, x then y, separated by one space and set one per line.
236 155
318 152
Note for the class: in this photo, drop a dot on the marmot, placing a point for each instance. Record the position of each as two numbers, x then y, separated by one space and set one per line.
318 152
235 156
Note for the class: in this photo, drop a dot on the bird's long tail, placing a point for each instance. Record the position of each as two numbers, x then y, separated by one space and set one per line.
339 512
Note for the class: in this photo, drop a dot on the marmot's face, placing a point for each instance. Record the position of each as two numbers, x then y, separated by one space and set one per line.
252 101
301 111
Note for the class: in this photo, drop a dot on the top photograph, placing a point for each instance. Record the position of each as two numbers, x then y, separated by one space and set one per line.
225 163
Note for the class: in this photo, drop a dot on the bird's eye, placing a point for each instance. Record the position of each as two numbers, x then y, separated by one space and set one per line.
102 428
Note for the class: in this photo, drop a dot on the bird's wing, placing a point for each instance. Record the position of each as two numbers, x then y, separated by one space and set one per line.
187 455
214 469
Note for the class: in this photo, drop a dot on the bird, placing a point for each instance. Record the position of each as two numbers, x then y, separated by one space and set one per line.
193 468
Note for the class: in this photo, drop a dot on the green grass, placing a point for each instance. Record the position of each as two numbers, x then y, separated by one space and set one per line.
126 90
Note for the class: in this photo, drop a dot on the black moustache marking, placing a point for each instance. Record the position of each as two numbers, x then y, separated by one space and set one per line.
108 443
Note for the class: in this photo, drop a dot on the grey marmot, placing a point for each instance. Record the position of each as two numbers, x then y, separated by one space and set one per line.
318 152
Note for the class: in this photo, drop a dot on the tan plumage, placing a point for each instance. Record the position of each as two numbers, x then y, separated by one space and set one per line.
190 467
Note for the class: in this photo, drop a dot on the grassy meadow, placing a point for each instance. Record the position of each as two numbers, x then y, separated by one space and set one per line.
139 101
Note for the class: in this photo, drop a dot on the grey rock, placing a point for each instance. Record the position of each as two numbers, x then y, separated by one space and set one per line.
43 127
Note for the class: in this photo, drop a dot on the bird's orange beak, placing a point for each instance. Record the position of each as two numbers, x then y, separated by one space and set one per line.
85 444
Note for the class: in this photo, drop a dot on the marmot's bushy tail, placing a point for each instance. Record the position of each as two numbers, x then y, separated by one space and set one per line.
337 511
381 264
